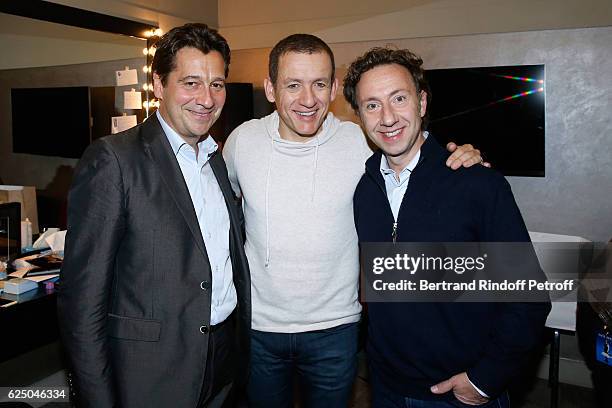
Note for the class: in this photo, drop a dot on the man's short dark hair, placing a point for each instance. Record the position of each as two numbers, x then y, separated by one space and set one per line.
195 35
384 56
300 43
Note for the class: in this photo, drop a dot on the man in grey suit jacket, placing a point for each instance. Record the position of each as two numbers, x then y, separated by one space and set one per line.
154 300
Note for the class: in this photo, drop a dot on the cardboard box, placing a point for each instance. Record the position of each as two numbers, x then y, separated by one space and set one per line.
26 196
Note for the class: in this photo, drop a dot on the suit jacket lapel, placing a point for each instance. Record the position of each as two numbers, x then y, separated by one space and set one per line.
218 167
236 221
160 151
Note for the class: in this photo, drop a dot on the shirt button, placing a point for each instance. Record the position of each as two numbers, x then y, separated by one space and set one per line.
204 329
205 285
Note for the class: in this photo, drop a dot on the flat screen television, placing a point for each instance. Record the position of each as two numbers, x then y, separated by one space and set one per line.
500 110
51 121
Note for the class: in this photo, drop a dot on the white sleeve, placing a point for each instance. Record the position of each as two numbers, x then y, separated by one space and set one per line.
230 155
366 151
482 394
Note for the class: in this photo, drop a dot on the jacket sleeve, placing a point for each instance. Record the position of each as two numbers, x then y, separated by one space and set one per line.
96 223
519 327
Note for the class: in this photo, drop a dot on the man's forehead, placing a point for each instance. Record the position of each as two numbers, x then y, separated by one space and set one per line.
384 81
387 73
317 61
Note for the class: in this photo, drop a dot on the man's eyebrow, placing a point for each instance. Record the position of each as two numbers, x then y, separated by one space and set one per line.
396 91
199 78
387 95
190 78
300 80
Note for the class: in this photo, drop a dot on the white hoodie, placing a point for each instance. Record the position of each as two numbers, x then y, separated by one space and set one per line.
301 241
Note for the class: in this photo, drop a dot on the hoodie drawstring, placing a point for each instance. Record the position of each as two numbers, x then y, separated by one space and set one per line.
267 264
314 170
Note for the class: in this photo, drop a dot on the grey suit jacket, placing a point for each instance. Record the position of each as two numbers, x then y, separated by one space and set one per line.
135 286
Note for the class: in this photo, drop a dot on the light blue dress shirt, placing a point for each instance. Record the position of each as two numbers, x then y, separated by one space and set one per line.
213 218
396 185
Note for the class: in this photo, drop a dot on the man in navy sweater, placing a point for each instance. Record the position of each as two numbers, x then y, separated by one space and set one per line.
432 354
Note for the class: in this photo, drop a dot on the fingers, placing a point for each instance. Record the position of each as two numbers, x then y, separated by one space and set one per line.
463 390
442 387
457 152
465 156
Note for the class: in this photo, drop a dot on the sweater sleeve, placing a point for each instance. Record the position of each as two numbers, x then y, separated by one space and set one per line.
230 156
366 151
519 326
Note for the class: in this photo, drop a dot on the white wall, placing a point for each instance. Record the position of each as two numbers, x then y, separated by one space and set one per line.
165 13
255 24
27 43
33 43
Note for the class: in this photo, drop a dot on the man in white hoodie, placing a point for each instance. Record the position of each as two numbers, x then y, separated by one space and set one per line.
297 170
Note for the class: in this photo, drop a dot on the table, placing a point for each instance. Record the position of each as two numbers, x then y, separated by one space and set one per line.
29 324
562 317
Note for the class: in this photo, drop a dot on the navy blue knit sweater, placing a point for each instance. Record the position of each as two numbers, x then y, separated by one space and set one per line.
412 346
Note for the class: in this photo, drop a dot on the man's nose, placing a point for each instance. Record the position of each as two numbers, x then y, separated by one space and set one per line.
307 97
204 97
389 118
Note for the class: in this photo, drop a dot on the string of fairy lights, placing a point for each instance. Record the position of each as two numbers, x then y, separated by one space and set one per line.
151 102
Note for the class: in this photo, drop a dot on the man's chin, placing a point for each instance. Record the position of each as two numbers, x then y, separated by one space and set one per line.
310 132
198 134
392 153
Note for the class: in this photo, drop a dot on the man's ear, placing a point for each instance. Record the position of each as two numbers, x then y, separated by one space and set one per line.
422 103
269 88
334 90
158 87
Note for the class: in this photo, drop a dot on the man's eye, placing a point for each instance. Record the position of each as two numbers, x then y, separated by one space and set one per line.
218 85
321 85
400 98
191 84
293 86
371 106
